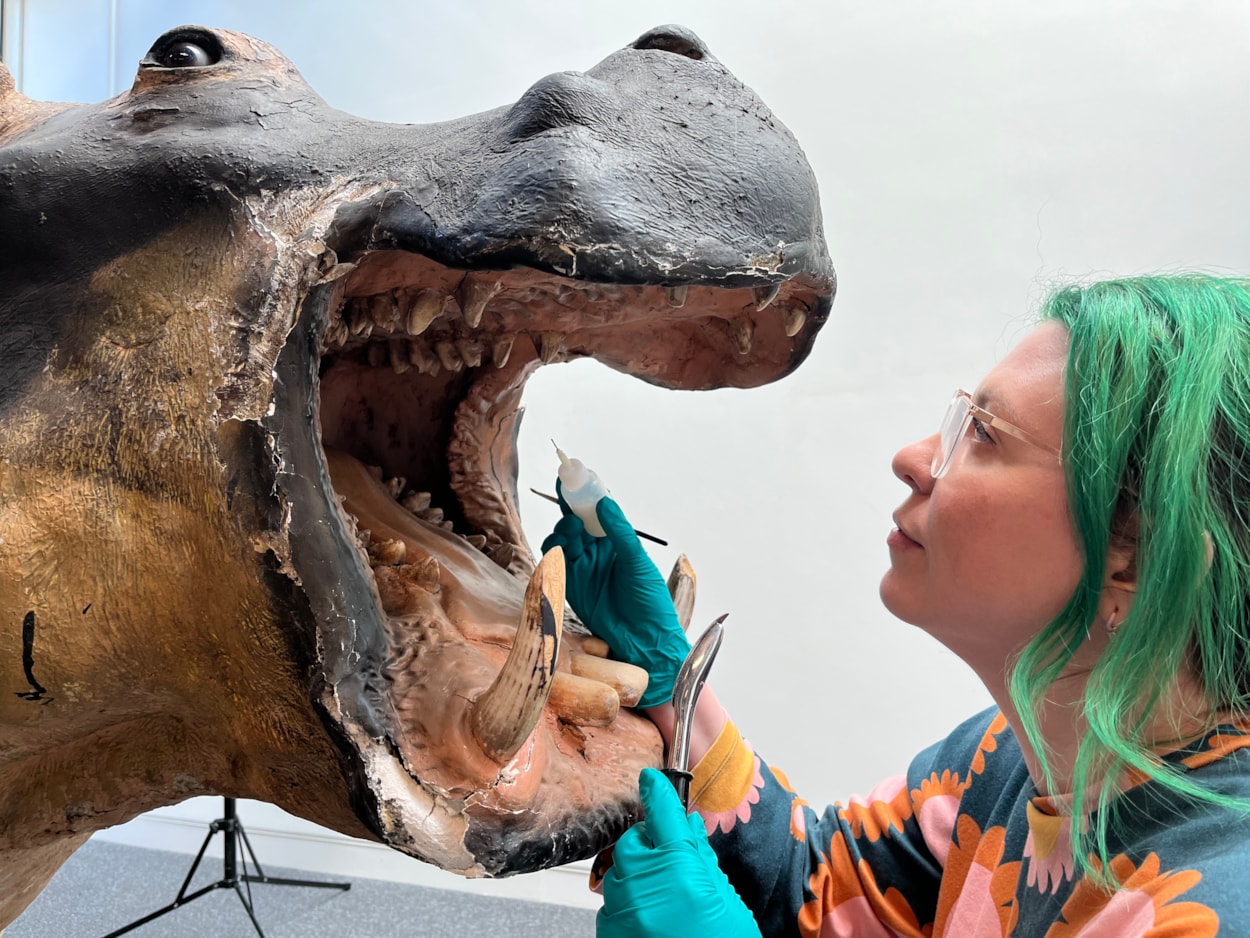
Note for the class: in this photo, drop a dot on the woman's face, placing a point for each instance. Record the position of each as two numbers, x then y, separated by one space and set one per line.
985 556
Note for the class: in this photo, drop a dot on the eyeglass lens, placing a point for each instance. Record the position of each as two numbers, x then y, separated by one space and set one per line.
952 431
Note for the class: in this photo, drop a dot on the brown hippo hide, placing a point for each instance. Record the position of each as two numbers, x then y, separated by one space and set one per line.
217 294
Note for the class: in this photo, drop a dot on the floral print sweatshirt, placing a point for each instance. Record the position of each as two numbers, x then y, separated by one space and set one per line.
963 846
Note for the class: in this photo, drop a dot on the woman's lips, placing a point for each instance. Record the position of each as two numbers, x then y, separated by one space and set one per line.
899 540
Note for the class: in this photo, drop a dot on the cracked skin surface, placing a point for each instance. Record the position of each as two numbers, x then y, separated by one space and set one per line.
258 525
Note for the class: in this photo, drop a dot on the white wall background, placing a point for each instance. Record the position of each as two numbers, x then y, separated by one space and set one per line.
969 153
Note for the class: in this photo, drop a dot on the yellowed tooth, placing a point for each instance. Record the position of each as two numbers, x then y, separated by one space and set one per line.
629 681
427 575
473 296
765 295
550 346
382 310
794 319
448 355
504 716
470 351
358 319
583 701
395 485
427 306
432 515
503 555
743 331
596 646
677 296
501 350
400 362
477 540
391 551
421 360
416 502
681 587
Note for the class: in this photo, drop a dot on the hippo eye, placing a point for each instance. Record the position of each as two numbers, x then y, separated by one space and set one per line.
185 55
185 47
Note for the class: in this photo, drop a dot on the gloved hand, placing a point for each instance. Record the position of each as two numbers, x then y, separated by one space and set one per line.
665 880
617 591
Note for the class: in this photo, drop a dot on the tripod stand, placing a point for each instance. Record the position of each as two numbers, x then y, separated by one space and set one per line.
230 827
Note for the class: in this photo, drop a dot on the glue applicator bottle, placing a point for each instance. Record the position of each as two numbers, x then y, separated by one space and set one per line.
582 488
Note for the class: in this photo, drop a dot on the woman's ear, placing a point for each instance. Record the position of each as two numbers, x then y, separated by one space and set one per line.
1119 585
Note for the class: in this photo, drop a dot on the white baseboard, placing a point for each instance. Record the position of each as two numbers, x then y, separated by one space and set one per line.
281 840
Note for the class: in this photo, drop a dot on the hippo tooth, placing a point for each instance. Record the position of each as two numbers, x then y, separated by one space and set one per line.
391 551
501 349
427 575
765 295
427 306
416 502
470 351
503 555
742 330
473 296
596 646
795 318
681 587
396 485
477 540
432 515
358 318
550 346
503 717
382 310
448 355
337 334
677 296
399 358
421 360
448 526
377 355
584 701
628 680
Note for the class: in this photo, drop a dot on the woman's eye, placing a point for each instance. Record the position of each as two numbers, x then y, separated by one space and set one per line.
185 55
978 431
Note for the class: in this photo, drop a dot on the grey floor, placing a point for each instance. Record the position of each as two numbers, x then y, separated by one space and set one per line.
105 886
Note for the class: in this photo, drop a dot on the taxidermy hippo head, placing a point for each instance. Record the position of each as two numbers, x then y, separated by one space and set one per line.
262 366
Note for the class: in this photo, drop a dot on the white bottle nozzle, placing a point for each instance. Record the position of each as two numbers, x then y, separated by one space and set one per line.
582 489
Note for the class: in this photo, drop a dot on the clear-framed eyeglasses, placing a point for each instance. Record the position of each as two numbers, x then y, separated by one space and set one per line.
959 417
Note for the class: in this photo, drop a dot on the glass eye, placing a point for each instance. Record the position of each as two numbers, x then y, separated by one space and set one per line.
185 55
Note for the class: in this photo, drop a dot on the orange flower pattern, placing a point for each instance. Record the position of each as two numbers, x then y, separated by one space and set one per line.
963 846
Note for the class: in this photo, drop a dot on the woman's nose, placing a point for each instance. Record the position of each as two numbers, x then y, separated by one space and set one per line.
913 464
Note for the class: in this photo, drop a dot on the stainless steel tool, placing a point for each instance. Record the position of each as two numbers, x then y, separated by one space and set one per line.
686 688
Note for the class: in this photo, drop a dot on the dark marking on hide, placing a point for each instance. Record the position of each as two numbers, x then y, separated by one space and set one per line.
28 662
86 608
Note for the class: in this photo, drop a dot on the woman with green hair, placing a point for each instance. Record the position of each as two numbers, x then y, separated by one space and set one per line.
1078 532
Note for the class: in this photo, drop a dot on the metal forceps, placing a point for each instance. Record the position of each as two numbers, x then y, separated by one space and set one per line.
690 679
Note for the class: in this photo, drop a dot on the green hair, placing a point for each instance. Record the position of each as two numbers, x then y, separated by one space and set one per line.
1157 454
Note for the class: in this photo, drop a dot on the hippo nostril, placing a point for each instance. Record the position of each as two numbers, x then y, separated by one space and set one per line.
676 39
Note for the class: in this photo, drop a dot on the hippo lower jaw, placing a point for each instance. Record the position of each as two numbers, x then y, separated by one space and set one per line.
414 372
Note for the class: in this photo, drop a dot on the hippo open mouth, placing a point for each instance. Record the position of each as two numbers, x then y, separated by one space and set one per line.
273 378
419 378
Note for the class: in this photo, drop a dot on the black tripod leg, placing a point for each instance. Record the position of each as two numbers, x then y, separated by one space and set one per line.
260 876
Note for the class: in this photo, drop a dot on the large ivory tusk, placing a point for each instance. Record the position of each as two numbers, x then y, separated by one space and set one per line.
681 586
583 701
505 715
629 681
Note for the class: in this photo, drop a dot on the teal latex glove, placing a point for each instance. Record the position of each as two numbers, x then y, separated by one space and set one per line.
665 880
617 591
